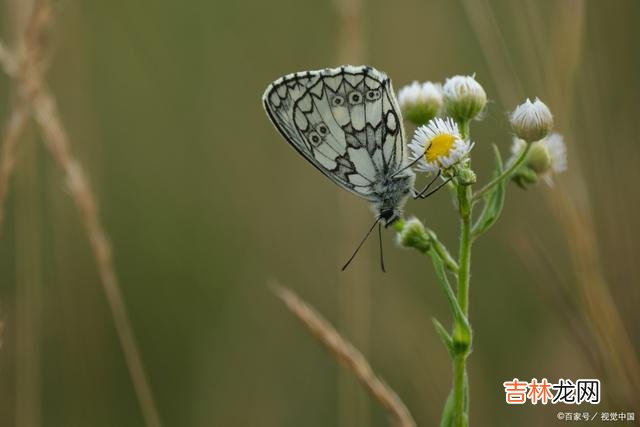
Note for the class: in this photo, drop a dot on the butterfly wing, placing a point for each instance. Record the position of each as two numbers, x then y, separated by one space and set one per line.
345 121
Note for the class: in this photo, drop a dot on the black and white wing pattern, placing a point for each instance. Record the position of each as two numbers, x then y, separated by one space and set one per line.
345 121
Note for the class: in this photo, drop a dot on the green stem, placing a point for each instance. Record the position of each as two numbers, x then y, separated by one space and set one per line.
459 372
464 129
462 332
504 175
464 258
462 341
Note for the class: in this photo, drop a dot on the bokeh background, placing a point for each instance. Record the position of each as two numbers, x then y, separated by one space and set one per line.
204 202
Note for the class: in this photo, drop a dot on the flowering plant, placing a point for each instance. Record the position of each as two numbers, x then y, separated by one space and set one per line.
441 146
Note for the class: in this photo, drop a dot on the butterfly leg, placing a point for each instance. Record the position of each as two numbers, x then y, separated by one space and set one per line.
422 194
417 194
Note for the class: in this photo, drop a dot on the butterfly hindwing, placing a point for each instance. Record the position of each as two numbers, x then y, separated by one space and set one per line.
345 121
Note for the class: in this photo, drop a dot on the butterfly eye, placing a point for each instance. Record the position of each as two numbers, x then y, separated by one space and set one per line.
315 139
338 101
372 95
322 128
355 98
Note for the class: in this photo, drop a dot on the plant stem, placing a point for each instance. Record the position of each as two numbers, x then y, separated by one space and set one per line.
459 371
464 258
462 341
464 128
504 175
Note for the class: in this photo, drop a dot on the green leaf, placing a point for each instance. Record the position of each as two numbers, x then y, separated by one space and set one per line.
458 314
442 251
444 335
447 412
493 201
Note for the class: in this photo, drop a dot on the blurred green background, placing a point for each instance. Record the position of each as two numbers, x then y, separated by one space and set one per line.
204 202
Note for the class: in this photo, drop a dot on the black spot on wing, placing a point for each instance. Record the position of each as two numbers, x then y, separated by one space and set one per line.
344 168
370 137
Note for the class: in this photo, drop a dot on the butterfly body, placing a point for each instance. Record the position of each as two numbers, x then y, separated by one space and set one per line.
346 122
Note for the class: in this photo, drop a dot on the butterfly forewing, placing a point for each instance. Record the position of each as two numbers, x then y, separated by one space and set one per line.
344 121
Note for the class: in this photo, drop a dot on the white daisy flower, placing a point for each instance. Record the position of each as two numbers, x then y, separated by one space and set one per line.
420 102
439 145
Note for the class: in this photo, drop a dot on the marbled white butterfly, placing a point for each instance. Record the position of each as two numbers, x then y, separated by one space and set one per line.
346 122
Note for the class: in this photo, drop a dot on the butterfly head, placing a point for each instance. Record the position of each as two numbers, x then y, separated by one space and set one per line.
388 217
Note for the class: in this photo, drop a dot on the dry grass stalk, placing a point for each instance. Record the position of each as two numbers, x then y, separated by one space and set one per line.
6 60
346 354
12 131
55 137
32 89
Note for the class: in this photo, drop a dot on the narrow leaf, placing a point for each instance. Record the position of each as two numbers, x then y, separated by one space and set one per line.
458 314
493 201
447 412
444 335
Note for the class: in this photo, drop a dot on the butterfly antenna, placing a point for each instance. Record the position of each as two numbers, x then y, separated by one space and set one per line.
380 242
360 245
413 162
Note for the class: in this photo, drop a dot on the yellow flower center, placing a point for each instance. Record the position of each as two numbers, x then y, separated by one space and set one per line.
440 146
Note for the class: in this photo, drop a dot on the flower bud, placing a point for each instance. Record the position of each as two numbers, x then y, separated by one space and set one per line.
547 158
464 98
539 158
413 235
525 176
531 121
420 102
466 176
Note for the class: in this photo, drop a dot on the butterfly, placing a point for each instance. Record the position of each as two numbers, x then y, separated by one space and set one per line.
347 123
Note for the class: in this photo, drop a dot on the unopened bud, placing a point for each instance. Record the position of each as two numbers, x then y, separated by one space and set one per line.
539 158
413 235
464 98
531 121
420 102
525 177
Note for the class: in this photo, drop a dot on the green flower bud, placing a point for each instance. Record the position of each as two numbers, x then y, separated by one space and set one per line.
466 176
531 121
464 98
547 158
525 177
413 235
420 102
539 158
